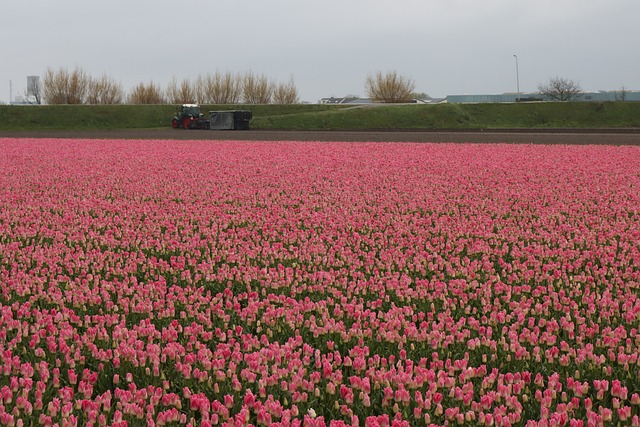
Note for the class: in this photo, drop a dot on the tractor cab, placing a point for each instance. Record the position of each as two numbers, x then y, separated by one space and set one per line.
186 116
192 110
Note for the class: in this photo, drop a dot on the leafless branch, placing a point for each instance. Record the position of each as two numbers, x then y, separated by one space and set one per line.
560 89
390 87
148 93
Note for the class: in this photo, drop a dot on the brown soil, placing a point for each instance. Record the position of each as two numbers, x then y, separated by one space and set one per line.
579 137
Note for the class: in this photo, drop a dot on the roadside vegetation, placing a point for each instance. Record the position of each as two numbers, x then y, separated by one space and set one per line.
549 115
65 87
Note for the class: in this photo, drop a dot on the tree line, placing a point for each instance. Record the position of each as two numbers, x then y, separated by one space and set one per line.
62 86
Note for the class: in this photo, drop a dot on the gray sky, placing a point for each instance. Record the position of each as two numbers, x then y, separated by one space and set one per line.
330 46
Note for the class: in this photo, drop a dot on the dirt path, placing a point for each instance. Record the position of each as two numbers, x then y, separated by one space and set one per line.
580 137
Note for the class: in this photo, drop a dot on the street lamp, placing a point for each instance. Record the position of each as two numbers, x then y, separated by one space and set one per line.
517 78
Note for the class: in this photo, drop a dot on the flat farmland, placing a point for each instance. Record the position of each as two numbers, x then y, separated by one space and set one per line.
196 282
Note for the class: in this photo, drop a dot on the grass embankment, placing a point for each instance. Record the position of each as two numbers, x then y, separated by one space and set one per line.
102 117
336 117
464 116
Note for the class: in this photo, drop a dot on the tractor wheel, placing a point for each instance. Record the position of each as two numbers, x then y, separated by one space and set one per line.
186 122
174 123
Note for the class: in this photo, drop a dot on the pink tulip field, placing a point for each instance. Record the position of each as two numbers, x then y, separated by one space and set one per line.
201 283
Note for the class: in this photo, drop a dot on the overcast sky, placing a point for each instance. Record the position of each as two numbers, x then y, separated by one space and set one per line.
328 46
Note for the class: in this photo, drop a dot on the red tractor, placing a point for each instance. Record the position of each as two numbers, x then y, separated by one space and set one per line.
190 117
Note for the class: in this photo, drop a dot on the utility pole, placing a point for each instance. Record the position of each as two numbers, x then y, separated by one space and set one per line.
10 91
517 78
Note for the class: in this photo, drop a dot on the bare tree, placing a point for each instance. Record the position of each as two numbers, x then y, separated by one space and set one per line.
33 92
104 90
390 87
560 89
183 93
64 87
621 94
54 83
219 88
285 93
200 89
256 89
227 89
146 94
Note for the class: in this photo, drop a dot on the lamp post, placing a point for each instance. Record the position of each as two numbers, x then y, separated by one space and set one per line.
517 78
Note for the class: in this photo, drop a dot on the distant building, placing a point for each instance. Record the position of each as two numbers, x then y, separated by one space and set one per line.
342 100
601 96
505 97
19 100
363 101
32 95
33 86
611 95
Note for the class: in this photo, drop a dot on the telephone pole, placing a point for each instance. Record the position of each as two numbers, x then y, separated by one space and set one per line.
517 78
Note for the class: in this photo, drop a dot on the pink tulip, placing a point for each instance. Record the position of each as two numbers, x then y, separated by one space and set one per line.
471 283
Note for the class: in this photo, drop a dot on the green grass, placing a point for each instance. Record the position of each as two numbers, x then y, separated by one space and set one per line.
102 117
463 116
338 117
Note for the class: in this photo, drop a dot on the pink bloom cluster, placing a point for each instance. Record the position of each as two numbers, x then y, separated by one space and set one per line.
288 283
